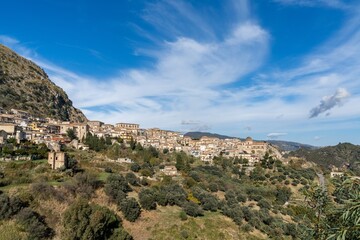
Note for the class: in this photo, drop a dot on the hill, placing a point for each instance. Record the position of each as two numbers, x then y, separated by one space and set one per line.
344 155
290 146
25 86
282 145
198 135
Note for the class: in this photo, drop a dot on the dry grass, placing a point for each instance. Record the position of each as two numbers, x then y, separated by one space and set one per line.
9 230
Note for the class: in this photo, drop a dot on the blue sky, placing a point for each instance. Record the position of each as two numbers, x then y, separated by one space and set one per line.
270 69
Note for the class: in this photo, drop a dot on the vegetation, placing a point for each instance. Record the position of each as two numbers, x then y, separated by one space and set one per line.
24 85
342 155
261 204
89 221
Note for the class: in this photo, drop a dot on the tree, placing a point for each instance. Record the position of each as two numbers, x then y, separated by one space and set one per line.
89 221
132 179
282 195
9 206
131 209
71 134
116 188
344 221
147 199
192 209
135 167
317 198
34 224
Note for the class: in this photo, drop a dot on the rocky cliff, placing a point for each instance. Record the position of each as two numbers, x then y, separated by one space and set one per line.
25 86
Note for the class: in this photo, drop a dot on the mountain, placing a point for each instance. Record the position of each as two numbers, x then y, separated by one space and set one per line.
198 135
282 145
344 155
290 146
25 86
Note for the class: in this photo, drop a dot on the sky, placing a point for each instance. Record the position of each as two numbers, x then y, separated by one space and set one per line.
269 69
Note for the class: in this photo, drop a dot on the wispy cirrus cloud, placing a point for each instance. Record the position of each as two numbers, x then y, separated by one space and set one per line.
316 3
195 68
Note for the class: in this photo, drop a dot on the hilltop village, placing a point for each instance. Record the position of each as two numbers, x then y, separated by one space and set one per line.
21 125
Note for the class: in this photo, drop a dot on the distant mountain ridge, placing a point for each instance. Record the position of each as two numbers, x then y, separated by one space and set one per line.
25 86
345 155
282 145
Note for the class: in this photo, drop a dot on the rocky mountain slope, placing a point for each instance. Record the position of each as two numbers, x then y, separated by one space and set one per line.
343 155
25 86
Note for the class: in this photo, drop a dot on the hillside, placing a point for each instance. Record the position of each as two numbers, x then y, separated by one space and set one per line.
25 86
342 155
282 145
94 198
290 146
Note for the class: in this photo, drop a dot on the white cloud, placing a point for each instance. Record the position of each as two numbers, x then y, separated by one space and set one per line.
192 67
328 102
275 135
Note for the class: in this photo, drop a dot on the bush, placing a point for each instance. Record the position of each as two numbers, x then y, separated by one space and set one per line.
34 224
234 212
132 179
147 199
172 194
264 204
121 234
195 176
208 201
213 187
192 209
241 197
10 206
184 234
131 209
45 191
183 216
85 221
246 227
282 195
135 167
83 184
116 188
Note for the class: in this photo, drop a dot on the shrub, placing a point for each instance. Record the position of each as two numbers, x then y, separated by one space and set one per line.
183 216
147 199
234 212
184 234
208 201
172 194
213 187
195 176
10 206
264 204
192 209
83 184
121 234
246 227
132 179
116 187
282 195
131 209
241 197
135 167
45 191
85 221
34 224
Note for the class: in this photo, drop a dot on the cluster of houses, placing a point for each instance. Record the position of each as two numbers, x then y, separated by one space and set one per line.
21 125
